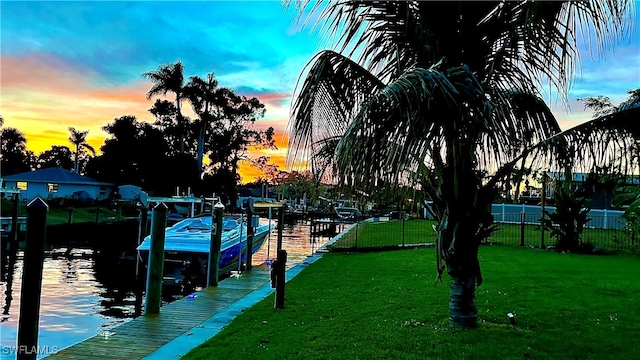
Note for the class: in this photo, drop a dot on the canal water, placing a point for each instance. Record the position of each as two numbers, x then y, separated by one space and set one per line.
90 292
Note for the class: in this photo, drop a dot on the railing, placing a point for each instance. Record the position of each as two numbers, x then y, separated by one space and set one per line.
608 232
611 232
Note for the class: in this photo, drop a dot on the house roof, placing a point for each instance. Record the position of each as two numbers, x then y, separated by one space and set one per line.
54 175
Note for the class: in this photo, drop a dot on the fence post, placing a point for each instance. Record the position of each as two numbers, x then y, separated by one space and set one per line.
403 229
503 211
156 260
249 234
356 245
542 204
32 279
522 216
214 247
605 222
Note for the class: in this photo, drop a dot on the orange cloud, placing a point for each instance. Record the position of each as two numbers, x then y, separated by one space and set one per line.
43 96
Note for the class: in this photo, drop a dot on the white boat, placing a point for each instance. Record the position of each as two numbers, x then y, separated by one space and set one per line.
187 245
348 213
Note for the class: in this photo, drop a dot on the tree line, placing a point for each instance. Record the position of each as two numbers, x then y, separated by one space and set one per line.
169 152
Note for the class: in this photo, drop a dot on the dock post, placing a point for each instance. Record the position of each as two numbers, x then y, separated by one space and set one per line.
249 234
281 266
13 239
32 279
142 233
214 248
280 227
156 260
70 218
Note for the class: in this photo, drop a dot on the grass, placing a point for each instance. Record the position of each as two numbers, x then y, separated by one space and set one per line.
84 214
58 215
384 305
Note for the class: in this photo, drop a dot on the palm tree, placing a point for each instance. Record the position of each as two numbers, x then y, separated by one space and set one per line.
79 139
169 78
445 93
204 96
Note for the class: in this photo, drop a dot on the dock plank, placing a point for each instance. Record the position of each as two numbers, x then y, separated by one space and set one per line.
145 334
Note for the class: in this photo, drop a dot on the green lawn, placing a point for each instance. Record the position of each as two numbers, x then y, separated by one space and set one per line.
57 215
385 305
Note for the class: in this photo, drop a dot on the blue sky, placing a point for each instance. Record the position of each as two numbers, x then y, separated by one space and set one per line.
80 63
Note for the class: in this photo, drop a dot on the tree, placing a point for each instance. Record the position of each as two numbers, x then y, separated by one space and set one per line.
169 78
601 105
204 96
79 140
15 158
57 156
447 93
568 220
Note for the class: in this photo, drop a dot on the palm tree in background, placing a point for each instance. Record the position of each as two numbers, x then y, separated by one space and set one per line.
446 94
79 140
204 96
169 78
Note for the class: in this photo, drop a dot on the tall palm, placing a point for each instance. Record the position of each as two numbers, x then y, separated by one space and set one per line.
169 78
204 96
445 93
79 140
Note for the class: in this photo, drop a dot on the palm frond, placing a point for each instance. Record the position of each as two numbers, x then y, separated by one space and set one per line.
333 91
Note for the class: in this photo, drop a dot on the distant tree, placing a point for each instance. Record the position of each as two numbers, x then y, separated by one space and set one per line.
1 121
269 169
169 78
601 105
79 140
15 158
57 156
137 153
166 116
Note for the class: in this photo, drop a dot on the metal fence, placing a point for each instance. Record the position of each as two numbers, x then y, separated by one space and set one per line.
612 233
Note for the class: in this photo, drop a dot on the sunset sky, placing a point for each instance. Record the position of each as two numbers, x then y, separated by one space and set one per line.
79 64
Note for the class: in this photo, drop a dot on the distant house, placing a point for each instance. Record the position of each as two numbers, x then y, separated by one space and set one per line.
601 193
56 182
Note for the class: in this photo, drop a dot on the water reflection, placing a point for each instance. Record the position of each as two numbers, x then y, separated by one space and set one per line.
88 291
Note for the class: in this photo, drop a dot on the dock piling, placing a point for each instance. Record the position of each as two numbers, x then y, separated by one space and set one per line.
156 260
280 270
32 279
281 263
216 242
249 234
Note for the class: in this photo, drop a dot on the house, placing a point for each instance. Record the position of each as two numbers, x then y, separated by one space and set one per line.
599 189
57 182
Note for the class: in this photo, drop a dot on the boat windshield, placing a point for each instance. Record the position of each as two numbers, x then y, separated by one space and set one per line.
229 224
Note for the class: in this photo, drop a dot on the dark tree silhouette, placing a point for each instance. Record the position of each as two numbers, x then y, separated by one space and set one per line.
15 158
56 156
79 140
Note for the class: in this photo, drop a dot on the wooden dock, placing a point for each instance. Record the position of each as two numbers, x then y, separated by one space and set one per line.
145 334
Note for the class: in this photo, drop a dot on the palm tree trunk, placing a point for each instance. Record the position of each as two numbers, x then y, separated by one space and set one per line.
201 147
462 302
180 124
75 164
